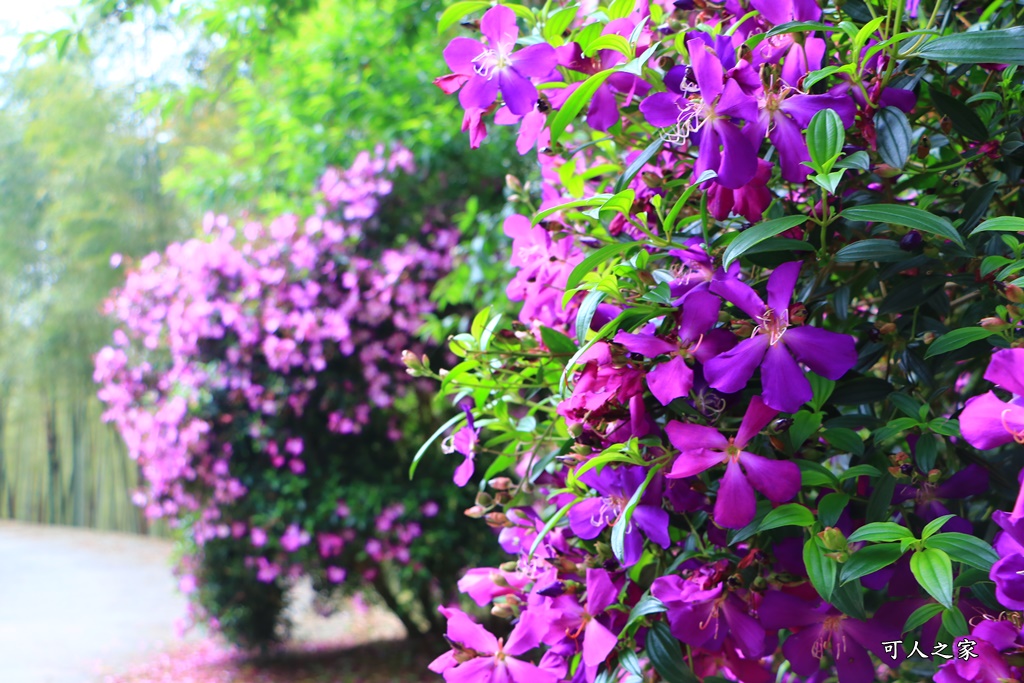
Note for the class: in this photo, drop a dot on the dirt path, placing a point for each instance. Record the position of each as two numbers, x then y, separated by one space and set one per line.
72 600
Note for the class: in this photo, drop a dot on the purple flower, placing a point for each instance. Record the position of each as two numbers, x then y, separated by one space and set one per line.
991 643
704 447
478 656
493 66
709 107
464 442
775 343
988 422
701 613
616 486
674 378
565 615
823 627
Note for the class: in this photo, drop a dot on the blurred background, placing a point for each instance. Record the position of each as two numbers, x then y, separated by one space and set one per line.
121 124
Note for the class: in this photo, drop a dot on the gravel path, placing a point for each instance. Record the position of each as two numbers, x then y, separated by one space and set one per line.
73 600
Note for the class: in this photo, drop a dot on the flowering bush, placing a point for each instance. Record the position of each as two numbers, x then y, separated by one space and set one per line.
761 408
256 378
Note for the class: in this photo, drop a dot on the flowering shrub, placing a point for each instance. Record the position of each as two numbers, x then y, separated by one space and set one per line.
256 378
764 391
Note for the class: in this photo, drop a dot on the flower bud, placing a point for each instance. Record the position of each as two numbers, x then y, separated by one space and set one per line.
912 241
502 611
1014 293
833 539
994 323
509 566
500 483
498 579
513 183
484 500
475 512
497 520
552 589
781 425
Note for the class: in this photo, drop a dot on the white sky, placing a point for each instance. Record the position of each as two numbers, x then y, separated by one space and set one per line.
18 17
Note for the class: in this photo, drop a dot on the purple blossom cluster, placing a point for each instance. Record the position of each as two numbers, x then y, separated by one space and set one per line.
238 353
689 499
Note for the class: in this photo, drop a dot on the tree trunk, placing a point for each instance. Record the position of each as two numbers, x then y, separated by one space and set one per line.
53 459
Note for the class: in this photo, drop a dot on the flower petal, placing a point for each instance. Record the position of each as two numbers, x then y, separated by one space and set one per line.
661 109
785 386
499 26
829 354
647 345
986 421
668 381
731 371
601 591
535 61
460 53
690 437
478 93
781 284
519 93
585 518
735 506
707 69
692 462
777 480
598 642
1006 369
756 418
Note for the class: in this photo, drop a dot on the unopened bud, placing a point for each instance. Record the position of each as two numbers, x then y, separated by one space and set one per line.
928 337
475 512
781 425
993 323
500 483
924 147
1014 293
513 183
887 328
497 520
934 476
912 241
502 611
833 539
509 566
413 365
946 125
484 499
498 579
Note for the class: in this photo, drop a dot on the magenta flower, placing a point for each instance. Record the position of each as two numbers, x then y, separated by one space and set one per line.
821 627
493 66
987 421
708 107
674 378
478 656
616 486
702 448
774 344
463 442
702 613
993 644
563 614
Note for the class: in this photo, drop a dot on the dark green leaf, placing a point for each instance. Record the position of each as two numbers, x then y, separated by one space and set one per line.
798 27
1001 224
953 621
666 655
647 605
586 313
894 136
831 507
1003 46
957 339
921 616
758 233
791 514
822 570
825 137
881 498
884 251
908 216
849 599
925 452
969 550
845 440
964 120
881 531
868 560
557 342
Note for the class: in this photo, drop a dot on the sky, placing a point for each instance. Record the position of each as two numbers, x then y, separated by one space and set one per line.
18 17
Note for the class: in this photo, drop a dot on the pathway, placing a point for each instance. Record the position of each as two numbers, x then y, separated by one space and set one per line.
72 600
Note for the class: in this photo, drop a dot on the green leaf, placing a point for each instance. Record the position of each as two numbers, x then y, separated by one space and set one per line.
964 120
881 498
868 560
957 339
813 474
894 136
774 244
845 440
825 137
799 27
791 514
883 251
881 532
590 264
860 471
1000 224
966 549
954 622
610 41
921 616
647 605
551 523
667 656
934 571
586 312
831 507
638 163
908 216
849 598
558 22
596 200
557 342
619 529
822 570
926 451
575 103
858 161
759 233
456 419
458 11
1003 46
